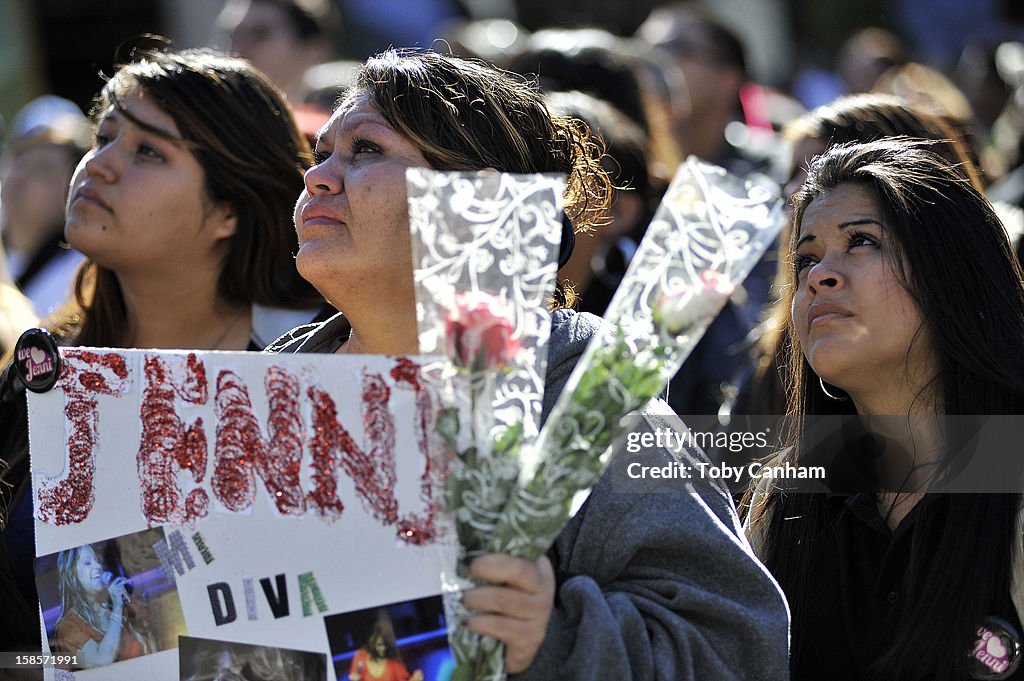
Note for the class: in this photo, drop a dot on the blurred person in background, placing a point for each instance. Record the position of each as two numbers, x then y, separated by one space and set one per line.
866 55
599 258
599 78
617 70
48 137
286 39
931 90
1007 130
983 77
928 88
282 38
713 62
16 311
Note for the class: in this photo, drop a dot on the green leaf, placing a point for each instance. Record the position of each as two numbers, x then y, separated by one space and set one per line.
510 440
448 426
463 672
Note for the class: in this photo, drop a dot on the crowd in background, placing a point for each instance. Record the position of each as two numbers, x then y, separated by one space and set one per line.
674 80
687 78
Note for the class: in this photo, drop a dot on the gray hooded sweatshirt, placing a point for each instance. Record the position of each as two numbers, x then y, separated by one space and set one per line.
655 581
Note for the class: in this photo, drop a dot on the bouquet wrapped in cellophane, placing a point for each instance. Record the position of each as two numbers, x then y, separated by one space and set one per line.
484 247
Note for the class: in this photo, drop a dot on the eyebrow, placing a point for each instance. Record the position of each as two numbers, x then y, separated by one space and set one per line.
841 225
149 127
348 129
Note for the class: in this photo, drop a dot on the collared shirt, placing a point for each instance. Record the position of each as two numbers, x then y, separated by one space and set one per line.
855 590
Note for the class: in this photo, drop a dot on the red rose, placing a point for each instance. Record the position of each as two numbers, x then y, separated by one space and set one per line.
480 331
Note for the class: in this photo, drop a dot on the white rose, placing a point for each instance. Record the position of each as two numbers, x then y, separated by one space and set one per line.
677 312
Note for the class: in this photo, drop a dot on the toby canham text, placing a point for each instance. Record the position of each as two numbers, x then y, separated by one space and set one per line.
678 470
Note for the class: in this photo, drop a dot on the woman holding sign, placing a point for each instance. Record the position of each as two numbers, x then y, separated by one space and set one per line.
95 624
183 208
907 308
180 207
637 586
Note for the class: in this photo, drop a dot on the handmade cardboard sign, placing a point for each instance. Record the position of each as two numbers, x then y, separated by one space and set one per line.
237 499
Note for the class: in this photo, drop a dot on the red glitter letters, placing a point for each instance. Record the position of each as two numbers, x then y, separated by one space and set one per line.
169 445
241 452
85 375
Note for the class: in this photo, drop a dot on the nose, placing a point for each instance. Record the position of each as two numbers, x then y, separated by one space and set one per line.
824 275
101 163
324 178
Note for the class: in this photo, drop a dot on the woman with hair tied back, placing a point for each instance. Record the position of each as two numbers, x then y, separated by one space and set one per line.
653 585
907 315
183 209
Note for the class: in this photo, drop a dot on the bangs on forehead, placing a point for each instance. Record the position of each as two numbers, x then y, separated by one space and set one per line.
353 97
113 97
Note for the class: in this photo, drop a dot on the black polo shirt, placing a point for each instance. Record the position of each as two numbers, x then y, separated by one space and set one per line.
854 595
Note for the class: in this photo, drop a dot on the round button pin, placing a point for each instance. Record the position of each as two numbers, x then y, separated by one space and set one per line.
996 651
37 360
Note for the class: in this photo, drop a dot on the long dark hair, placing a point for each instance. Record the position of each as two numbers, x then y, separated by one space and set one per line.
854 119
253 156
962 274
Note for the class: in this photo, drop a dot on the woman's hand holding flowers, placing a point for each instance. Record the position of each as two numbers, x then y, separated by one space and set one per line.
514 605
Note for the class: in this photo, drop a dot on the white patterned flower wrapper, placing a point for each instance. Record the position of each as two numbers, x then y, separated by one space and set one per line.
707 235
479 235
497 234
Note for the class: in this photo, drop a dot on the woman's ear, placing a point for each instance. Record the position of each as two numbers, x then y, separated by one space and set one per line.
222 220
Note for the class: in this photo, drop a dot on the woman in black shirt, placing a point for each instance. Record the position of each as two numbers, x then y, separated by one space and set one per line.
907 305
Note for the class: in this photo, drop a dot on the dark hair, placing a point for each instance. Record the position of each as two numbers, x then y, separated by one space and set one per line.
467 115
383 631
587 60
869 117
631 75
942 228
624 143
847 120
311 19
242 132
666 27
